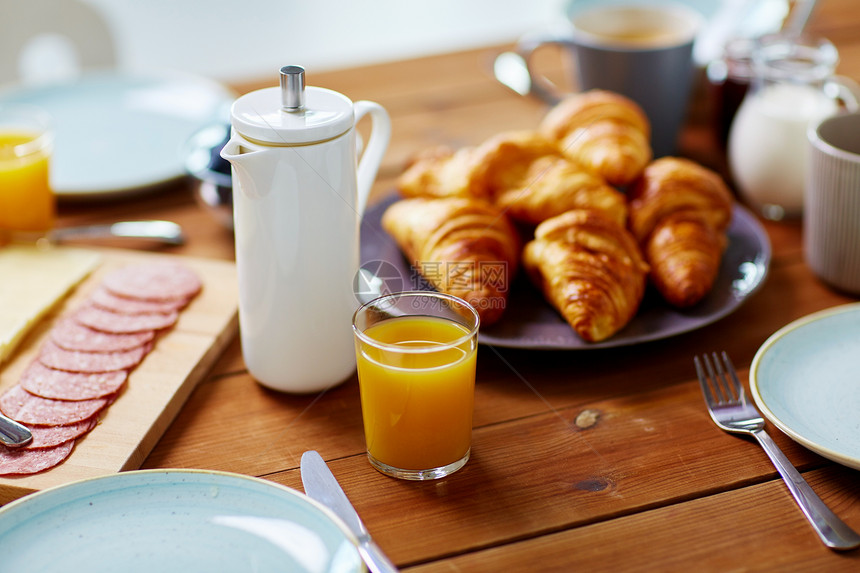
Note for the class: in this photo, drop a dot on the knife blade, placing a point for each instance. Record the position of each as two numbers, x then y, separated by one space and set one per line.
13 434
321 485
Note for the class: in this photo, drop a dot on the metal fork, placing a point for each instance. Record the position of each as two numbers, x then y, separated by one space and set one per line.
729 408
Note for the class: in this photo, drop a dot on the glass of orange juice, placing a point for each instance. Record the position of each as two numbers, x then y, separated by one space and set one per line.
416 354
27 204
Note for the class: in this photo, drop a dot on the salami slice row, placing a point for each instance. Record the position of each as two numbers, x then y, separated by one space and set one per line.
154 282
30 461
85 362
47 382
58 358
72 335
104 299
28 408
114 322
50 436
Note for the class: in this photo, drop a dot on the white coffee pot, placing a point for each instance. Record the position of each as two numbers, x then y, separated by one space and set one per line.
299 193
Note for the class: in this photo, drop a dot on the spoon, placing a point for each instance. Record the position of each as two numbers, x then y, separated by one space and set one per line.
160 231
13 434
799 17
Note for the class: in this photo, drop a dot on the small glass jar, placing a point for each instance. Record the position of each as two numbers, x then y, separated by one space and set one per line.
793 85
729 78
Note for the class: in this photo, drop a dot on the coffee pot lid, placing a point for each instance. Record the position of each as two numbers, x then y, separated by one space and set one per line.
292 113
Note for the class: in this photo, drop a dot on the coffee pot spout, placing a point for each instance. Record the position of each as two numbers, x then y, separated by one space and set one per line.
253 168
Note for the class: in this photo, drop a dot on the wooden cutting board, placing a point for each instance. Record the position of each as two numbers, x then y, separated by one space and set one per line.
130 427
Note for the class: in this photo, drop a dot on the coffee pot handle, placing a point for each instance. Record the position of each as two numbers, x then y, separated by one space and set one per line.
380 134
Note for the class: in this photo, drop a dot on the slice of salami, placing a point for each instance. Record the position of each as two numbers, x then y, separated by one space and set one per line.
115 323
50 436
57 358
48 382
104 299
72 335
153 281
30 461
28 408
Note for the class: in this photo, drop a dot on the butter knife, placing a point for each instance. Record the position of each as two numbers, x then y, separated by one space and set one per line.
166 232
321 485
13 434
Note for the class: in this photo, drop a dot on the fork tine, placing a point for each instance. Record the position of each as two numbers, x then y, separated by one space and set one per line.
723 390
736 383
714 380
703 381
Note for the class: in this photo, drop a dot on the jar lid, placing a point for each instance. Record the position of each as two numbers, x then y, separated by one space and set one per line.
292 113
795 59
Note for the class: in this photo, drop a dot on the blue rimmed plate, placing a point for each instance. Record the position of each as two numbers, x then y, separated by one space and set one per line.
174 521
806 380
120 134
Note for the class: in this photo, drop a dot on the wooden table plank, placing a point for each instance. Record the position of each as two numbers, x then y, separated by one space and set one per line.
748 529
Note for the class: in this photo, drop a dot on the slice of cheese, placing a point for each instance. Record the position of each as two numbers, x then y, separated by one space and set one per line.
33 280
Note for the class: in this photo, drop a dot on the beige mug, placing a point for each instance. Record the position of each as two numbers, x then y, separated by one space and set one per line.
831 219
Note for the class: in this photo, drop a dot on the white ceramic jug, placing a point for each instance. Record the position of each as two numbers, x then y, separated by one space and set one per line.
793 87
299 193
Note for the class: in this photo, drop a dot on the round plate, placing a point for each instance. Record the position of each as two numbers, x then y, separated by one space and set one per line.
530 322
173 521
804 379
118 134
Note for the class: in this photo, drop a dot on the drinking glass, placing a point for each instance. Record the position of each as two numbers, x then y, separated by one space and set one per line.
416 354
27 204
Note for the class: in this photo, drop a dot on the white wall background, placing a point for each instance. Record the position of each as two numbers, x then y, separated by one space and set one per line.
246 39
239 40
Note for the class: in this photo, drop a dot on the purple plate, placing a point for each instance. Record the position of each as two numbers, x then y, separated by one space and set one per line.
530 322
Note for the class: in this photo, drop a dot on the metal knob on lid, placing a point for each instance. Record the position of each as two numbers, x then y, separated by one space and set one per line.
292 88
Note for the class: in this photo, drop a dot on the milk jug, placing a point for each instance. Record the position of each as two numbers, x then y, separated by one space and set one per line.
793 86
299 194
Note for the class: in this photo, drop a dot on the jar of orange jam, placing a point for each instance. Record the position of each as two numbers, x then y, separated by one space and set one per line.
27 203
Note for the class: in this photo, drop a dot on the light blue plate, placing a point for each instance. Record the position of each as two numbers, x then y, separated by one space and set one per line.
118 134
164 521
806 380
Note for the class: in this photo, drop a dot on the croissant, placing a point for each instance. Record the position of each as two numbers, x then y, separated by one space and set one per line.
444 172
679 212
529 177
464 247
606 132
590 269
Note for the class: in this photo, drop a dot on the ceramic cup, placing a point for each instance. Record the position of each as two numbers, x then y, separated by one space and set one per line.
416 354
644 52
831 220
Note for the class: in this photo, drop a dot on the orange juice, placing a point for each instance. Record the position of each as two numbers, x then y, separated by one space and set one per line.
417 391
26 199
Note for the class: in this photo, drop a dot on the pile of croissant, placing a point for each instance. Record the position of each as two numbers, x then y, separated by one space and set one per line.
549 201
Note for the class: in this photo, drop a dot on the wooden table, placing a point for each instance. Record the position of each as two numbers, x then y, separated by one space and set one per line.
650 485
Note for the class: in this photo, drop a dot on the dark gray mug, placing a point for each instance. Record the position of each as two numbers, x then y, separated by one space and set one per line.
644 52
